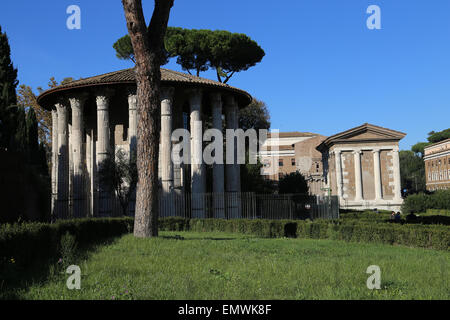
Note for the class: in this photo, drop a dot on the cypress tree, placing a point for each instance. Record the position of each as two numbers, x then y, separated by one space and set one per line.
32 140
19 141
42 160
8 98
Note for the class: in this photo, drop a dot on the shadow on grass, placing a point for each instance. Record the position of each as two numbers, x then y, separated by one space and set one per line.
14 279
177 237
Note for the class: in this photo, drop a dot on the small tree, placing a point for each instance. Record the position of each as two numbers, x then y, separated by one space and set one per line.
254 116
412 170
253 181
293 183
119 175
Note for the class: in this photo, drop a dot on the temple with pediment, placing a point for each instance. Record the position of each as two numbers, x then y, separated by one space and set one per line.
361 166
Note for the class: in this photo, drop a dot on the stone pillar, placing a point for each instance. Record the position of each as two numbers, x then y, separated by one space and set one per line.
103 150
87 181
132 131
93 175
63 162
166 141
218 169
79 198
397 177
198 177
338 160
69 126
358 180
54 163
233 171
377 175
132 120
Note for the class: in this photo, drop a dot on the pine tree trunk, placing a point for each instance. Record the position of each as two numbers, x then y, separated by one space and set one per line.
148 77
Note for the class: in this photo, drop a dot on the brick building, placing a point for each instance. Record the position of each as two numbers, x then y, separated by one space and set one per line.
437 165
294 151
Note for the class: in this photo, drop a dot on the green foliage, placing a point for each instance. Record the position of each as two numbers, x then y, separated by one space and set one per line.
413 235
232 52
366 216
439 136
67 249
20 132
419 203
419 147
441 212
253 181
124 48
8 98
293 183
412 170
8 76
119 175
30 243
433 137
254 116
199 50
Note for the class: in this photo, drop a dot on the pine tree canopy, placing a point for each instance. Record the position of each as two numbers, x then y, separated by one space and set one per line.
200 50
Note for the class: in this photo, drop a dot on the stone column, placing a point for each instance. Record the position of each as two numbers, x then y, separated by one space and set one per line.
377 174
103 149
132 120
166 141
132 130
233 171
397 177
77 105
358 180
69 126
338 160
54 162
87 181
198 177
63 161
218 169
93 174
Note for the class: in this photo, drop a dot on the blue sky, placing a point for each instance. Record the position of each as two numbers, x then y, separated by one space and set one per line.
324 70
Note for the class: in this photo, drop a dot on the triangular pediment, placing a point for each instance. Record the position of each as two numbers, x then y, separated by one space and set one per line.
364 133
370 132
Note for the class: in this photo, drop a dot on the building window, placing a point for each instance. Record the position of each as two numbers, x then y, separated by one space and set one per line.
280 162
293 162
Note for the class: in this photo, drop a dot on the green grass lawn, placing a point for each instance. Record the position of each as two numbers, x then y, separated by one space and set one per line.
233 266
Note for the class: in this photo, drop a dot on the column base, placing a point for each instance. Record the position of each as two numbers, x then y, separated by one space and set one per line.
389 205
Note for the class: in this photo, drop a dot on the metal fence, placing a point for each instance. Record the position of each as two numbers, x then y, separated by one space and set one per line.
236 205
247 205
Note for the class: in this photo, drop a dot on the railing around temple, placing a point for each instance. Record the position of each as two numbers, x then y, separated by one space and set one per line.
247 205
243 205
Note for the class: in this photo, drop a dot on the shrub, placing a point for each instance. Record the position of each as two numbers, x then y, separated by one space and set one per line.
28 243
440 212
67 249
413 235
418 203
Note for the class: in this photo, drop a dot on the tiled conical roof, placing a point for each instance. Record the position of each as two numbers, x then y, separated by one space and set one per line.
127 76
